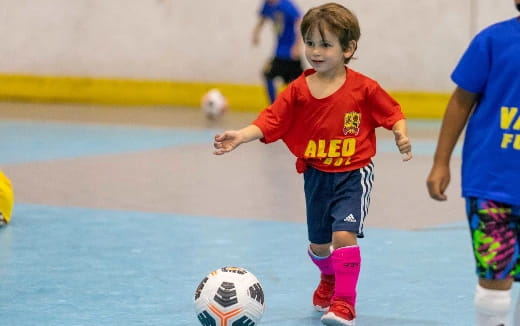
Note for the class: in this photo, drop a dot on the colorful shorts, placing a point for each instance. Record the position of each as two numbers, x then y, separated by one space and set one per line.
495 231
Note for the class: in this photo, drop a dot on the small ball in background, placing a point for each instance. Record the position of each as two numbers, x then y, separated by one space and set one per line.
213 104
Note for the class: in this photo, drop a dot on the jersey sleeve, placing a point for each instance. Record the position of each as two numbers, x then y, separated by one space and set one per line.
275 120
471 73
265 10
384 108
293 11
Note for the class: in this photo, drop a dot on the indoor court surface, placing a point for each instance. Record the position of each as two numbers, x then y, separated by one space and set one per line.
120 213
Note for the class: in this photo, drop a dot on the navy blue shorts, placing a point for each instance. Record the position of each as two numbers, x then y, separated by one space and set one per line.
337 201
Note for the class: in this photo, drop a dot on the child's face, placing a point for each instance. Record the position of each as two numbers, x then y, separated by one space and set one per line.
325 54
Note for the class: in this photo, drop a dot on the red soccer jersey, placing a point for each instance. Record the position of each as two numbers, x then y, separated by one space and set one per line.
335 133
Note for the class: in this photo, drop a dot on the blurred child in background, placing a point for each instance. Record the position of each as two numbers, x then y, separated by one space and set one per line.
285 63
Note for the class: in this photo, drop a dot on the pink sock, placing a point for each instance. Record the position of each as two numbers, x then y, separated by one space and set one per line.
346 262
323 263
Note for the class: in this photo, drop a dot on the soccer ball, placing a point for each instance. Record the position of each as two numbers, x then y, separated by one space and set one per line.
229 296
213 104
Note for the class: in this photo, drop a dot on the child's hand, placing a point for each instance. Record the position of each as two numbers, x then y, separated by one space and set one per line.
438 180
403 143
227 141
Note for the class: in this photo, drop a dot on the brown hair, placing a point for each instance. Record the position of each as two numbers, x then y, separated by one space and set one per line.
335 18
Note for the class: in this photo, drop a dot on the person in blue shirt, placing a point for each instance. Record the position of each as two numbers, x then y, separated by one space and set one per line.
286 62
487 102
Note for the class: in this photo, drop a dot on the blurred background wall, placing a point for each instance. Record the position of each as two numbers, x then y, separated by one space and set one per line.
409 46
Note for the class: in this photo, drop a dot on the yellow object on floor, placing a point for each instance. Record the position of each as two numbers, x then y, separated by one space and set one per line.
6 199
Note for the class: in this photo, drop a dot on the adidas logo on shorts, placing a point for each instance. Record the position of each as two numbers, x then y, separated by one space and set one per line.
350 218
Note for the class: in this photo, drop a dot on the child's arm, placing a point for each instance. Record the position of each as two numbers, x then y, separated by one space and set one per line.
298 43
229 140
257 29
401 140
457 112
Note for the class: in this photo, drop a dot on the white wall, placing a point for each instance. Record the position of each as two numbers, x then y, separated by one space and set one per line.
405 44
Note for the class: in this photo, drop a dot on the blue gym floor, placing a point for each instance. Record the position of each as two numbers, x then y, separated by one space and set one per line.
83 251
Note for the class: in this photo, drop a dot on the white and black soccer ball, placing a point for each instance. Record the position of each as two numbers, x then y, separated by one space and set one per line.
229 296
213 104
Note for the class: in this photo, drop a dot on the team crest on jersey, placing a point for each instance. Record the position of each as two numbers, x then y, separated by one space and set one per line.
351 123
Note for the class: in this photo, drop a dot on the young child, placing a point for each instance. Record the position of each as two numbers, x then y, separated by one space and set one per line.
285 63
488 94
327 118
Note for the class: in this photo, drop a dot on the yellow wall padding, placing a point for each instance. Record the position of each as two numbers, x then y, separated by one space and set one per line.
249 98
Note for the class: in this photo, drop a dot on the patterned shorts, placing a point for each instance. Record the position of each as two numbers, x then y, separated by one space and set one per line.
495 231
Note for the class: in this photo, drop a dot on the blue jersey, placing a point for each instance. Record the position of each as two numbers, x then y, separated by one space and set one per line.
284 15
490 67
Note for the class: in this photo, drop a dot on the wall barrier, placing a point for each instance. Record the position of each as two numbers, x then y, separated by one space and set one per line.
242 98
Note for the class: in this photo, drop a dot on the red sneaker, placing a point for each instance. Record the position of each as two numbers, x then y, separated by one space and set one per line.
324 292
340 314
